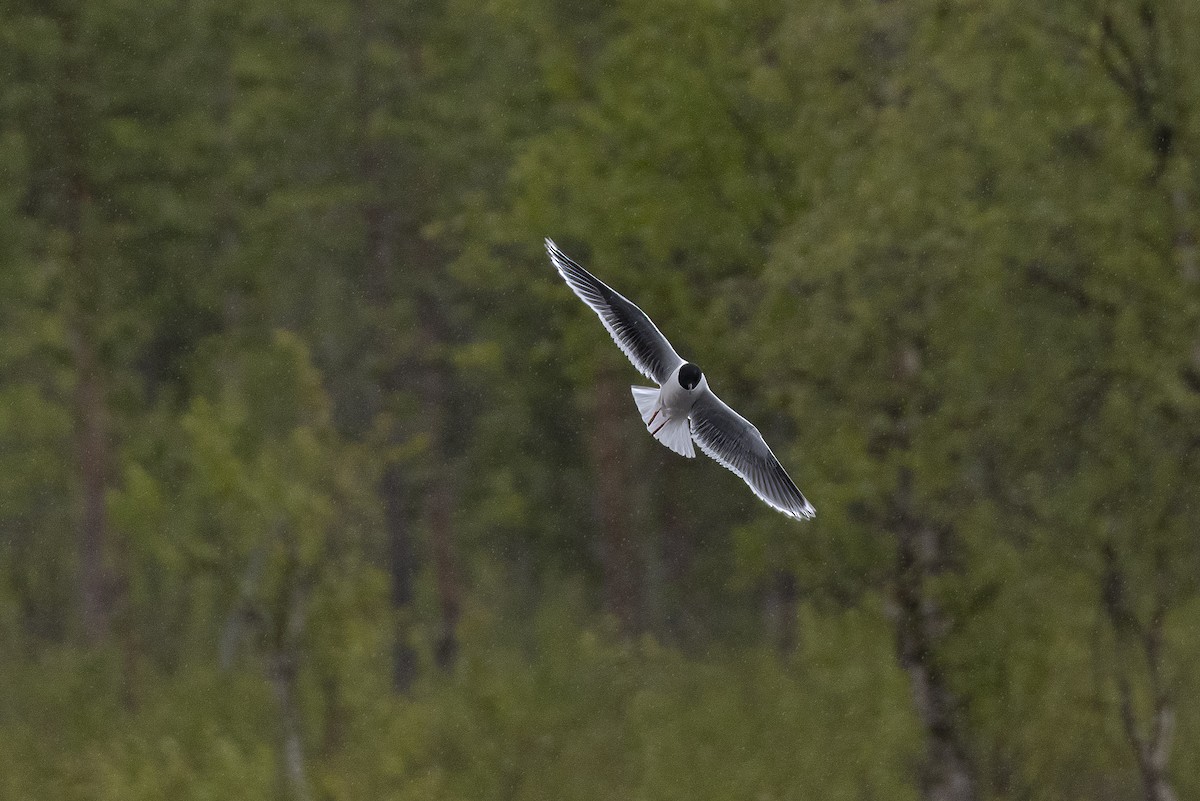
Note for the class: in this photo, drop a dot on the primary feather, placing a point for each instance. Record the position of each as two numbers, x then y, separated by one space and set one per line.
635 334
732 441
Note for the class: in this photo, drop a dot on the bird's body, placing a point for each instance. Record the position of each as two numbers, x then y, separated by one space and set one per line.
683 408
666 411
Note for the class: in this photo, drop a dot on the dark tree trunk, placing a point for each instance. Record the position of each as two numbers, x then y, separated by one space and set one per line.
383 228
438 413
92 459
919 624
83 304
400 571
1134 61
618 550
394 241
401 553
1150 740
445 567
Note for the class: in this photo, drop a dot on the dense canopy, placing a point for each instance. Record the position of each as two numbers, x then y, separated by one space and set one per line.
316 481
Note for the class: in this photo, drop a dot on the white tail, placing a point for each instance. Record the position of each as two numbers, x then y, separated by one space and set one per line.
647 402
675 433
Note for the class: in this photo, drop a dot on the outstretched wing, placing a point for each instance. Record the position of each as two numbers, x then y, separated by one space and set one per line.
630 328
733 442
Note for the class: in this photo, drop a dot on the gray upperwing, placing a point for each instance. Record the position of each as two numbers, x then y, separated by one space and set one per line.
734 443
634 332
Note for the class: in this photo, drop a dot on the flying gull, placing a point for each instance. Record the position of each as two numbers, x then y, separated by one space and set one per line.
683 408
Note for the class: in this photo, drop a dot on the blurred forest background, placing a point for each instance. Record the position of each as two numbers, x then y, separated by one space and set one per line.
316 482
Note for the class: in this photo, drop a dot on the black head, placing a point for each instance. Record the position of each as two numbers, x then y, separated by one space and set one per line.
689 376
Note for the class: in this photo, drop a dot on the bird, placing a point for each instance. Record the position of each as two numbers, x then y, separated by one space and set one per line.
683 408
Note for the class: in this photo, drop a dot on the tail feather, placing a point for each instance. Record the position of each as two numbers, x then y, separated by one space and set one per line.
676 434
646 400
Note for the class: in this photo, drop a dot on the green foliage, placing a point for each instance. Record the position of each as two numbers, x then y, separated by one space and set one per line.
581 717
942 253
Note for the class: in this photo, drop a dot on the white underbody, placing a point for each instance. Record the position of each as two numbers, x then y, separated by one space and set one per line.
665 412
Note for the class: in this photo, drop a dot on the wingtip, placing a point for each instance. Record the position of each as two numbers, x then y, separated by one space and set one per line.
557 257
806 512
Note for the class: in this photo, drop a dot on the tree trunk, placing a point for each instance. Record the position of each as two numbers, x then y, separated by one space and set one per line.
83 312
284 668
92 458
618 551
438 413
1151 750
946 773
1133 63
1151 742
382 278
293 779
401 563
242 615
445 567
